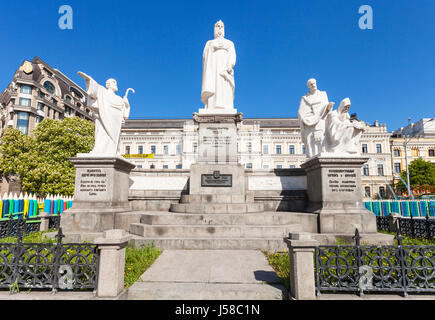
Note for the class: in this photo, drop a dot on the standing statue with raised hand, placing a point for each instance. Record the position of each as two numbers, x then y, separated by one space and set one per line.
110 112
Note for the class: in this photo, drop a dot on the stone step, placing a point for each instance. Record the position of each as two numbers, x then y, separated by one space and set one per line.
205 291
269 244
217 208
213 231
306 220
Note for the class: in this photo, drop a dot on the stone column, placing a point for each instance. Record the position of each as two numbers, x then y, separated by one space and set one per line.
112 262
301 251
44 221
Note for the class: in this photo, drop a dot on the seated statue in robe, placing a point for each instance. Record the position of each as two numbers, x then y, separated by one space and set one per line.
343 133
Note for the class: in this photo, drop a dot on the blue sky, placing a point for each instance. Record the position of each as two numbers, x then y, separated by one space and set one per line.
156 48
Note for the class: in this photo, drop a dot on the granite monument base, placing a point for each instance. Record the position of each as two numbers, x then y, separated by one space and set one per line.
101 191
334 193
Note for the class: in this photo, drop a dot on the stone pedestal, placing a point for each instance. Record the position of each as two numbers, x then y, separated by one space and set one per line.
217 181
217 137
101 191
334 193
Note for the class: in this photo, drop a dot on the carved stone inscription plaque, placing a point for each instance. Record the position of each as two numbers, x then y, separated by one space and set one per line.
93 182
342 180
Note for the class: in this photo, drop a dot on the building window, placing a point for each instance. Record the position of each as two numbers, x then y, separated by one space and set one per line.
279 166
304 150
378 148
249 147
265 149
48 112
396 152
41 95
249 166
139 166
153 149
380 169
68 98
179 166
292 166
179 149
195 147
54 102
39 119
165 149
397 168
25 102
382 192
366 171
265 166
364 148
152 166
26 89
431 153
23 122
127 149
278 149
165 166
368 192
291 149
49 87
40 106
140 149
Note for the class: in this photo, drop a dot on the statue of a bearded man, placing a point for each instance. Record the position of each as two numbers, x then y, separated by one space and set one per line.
110 112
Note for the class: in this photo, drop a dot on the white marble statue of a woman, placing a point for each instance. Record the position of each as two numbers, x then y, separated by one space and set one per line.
219 59
110 112
342 133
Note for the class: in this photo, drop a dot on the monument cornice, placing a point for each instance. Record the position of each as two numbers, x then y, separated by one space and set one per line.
217 118
336 161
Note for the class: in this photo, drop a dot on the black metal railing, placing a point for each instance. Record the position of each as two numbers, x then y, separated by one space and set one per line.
11 226
359 269
420 228
54 222
55 266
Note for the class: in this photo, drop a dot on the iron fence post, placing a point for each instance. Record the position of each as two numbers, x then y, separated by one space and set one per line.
57 255
402 259
357 239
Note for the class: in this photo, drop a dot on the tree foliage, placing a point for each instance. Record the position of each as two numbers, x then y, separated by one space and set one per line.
420 173
41 160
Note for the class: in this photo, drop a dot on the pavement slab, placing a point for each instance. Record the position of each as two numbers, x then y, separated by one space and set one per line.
209 275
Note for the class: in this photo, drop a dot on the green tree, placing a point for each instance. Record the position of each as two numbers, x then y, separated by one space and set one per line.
41 160
420 173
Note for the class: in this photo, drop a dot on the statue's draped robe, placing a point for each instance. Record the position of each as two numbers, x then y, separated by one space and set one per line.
217 84
342 137
110 110
311 114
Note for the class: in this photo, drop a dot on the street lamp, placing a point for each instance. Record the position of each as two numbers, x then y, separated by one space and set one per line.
405 144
